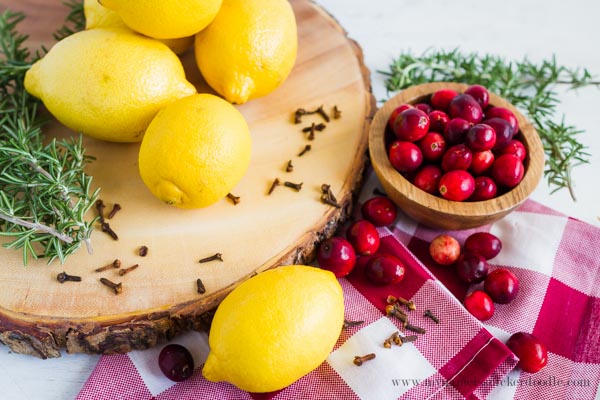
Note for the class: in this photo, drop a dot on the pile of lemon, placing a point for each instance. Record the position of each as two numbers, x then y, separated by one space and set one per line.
121 80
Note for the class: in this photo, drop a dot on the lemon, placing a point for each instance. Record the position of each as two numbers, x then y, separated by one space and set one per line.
165 19
98 16
195 151
108 83
275 328
249 49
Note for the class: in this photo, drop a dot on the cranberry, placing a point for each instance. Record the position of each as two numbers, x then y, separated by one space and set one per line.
516 148
480 94
433 146
508 170
176 362
405 156
485 189
458 156
456 185
504 132
427 178
502 285
384 269
411 125
397 112
456 130
426 108
472 267
438 120
533 355
441 99
481 137
480 305
466 107
444 249
505 114
337 255
484 243
379 210
363 237
482 161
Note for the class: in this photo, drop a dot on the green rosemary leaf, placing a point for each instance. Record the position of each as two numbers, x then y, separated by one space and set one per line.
44 191
75 20
527 85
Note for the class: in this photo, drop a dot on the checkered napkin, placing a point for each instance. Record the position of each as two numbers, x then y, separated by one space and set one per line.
557 261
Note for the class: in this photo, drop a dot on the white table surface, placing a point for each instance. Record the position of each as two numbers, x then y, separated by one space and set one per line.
512 29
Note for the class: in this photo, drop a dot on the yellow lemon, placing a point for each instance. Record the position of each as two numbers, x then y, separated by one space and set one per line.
249 49
165 19
108 83
195 151
275 328
98 16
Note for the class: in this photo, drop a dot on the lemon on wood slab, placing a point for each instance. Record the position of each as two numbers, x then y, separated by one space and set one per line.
108 83
195 151
275 328
249 49
165 19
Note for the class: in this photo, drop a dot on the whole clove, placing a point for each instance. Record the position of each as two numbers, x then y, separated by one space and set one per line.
143 251
114 264
305 150
214 257
289 167
273 185
234 199
128 270
64 277
295 186
359 360
200 286
116 287
106 228
114 210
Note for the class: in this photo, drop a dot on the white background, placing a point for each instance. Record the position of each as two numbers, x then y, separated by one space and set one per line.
512 29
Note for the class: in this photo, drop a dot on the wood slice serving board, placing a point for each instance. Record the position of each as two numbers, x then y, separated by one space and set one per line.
39 316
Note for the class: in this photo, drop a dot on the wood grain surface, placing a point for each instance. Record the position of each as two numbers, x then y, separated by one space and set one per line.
39 316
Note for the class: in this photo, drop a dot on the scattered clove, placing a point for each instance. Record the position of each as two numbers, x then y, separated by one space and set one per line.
214 257
415 329
359 360
337 113
234 199
387 343
300 112
289 167
116 287
64 277
100 207
305 150
106 228
200 286
273 186
408 303
295 186
114 210
349 324
114 264
128 270
396 312
430 315
327 200
143 251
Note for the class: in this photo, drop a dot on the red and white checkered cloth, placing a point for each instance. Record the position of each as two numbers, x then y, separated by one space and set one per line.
557 260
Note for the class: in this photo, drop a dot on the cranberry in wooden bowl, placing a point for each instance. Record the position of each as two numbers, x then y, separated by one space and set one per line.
446 213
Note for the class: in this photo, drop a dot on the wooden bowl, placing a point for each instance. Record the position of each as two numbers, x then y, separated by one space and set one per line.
437 212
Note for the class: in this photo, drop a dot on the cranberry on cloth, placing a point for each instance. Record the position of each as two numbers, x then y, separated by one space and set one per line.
557 261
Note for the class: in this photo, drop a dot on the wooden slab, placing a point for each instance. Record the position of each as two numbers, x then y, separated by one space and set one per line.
40 316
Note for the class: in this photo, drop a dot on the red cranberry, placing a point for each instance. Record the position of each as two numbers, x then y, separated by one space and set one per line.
426 108
485 189
176 362
484 243
379 210
482 161
505 114
502 286
504 132
480 94
516 148
458 156
438 120
508 170
456 130
397 112
363 237
480 305
433 146
405 156
444 249
481 137
427 178
456 185
472 267
411 125
466 107
337 255
532 353
384 269
441 99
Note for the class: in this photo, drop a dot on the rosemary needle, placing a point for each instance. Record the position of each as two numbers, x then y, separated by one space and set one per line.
44 192
528 86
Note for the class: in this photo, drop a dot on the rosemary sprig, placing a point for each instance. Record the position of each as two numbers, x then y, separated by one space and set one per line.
44 192
74 21
529 86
